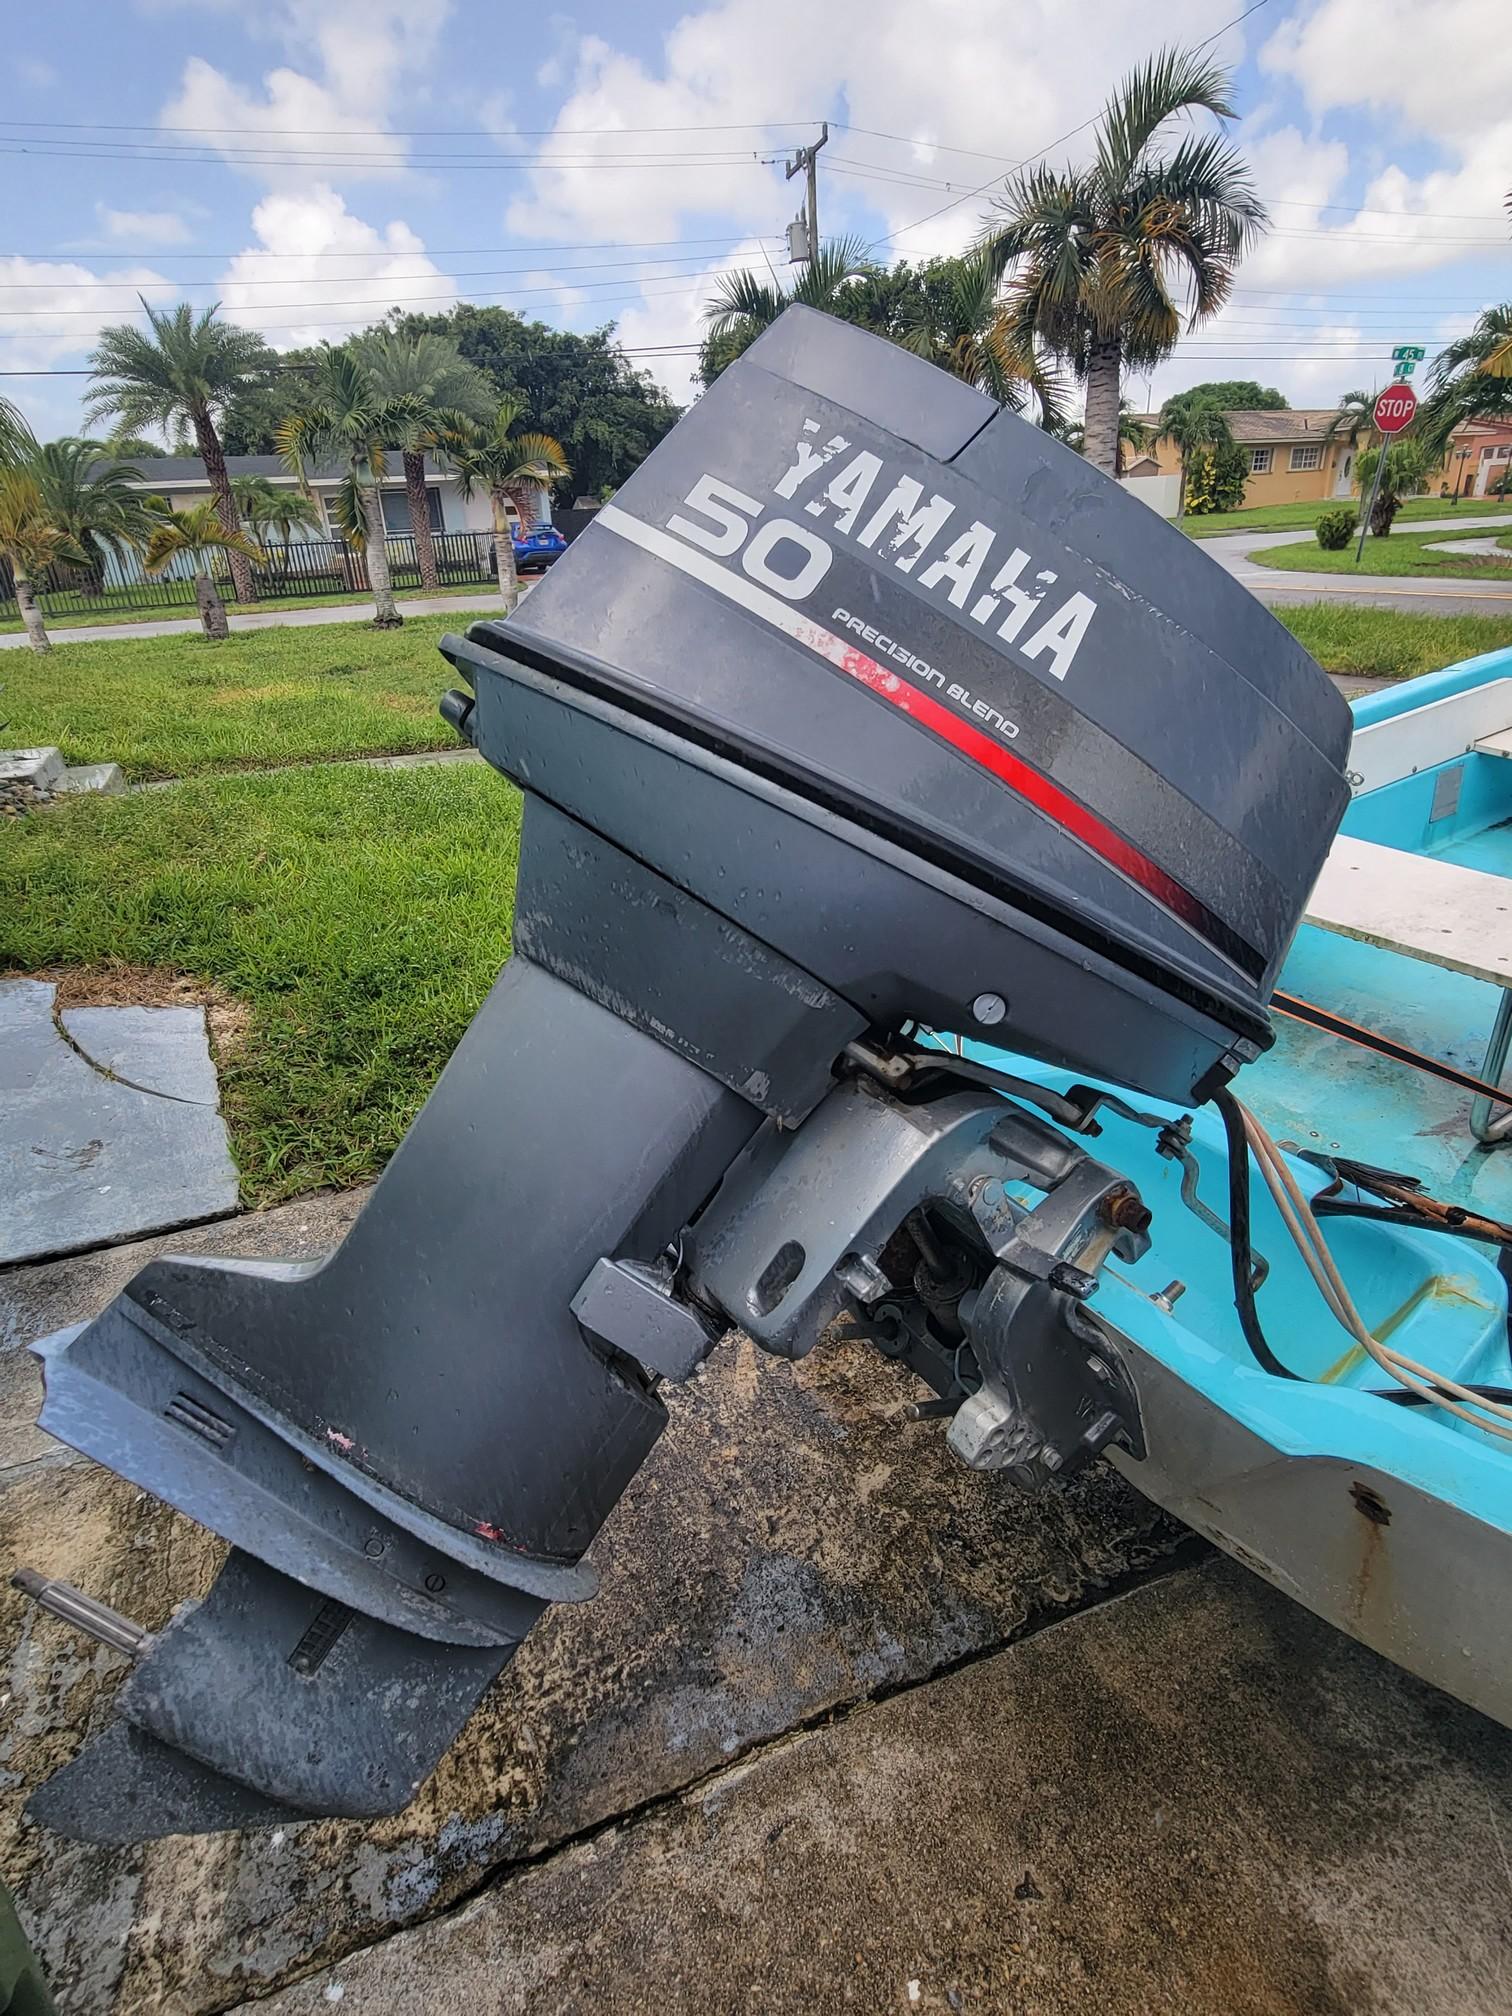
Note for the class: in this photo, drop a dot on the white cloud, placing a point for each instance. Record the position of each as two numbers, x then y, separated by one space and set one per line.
674 317
360 58
298 295
35 73
157 227
997 76
52 309
1440 69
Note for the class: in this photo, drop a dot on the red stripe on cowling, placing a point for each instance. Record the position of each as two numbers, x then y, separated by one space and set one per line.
1020 777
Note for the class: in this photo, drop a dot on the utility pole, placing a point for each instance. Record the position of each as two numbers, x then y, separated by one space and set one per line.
806 160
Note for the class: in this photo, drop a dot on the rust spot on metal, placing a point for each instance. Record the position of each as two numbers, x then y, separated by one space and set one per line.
1371 1504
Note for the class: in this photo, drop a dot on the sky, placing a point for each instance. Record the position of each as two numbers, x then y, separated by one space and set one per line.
308 163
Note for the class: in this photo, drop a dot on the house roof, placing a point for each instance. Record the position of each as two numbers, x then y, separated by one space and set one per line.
165 472
1255 426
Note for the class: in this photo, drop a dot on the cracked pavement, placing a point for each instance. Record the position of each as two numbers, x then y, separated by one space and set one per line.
109 1123
848 1727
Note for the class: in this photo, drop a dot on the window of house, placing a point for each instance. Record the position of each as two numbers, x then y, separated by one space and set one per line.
396 517
1308 457
1260 461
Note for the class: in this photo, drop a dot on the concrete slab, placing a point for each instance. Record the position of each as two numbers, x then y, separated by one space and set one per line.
790 1548
41 768
1197 1799
36 1300
162 1050
105 780
86 1158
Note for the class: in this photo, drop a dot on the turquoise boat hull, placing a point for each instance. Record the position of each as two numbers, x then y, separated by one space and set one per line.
1393 1522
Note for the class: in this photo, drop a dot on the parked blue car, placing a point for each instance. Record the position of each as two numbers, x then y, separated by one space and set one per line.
536 550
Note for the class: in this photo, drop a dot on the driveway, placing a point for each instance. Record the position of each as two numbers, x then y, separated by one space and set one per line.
1424 597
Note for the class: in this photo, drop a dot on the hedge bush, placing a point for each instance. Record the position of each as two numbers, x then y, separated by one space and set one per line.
1335 529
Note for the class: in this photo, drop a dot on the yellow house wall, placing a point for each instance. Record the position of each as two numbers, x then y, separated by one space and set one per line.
1283 485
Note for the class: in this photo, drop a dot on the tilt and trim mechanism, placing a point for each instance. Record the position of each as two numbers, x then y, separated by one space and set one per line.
864 708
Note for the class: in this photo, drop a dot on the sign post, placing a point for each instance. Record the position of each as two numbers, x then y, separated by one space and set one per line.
1395 409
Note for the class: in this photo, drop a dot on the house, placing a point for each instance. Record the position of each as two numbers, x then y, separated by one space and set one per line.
182 479
1292 459
1480 455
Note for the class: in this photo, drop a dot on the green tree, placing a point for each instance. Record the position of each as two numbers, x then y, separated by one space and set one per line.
1355 419
1192 421
1132 433
255 412
1407 465
126 447
195 534
1241 395
426 377
93 497
1094 251
962 327
17 442
268 509
581 390
178 373
30 542
351 424
743 304
1471 379
506 466
1217 479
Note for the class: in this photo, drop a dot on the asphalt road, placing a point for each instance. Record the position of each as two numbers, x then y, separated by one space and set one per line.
1280 586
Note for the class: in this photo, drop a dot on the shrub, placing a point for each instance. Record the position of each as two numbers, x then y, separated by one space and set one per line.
1335 529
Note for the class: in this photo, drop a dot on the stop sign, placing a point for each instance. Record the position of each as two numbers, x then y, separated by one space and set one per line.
1395 408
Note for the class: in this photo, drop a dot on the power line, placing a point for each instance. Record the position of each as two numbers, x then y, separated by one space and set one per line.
402 132
1253 8
450 252
298 279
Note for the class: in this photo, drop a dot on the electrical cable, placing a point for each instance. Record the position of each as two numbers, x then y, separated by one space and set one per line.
1494 1416
1241 1258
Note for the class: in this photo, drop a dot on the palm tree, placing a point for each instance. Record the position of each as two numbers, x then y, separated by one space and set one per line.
1132 433
743 304
441 392
177 375
351 423
1355 419
94 498
1094 250
508 466
267 508
1408 463
1472 379
30 543
196 533
1192 421
17 441
964 328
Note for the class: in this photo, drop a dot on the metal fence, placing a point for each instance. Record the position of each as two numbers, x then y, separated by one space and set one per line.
303 569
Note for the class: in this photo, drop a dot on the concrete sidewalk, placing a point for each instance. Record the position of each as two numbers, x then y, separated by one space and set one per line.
486 599
1425 596
848 1727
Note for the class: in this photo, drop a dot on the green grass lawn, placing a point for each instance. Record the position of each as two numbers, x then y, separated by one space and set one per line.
1398 553
1391 643
176 706
112 614
1302 517
356 917
359 916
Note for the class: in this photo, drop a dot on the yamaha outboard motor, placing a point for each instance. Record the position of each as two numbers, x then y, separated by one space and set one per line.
865 709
